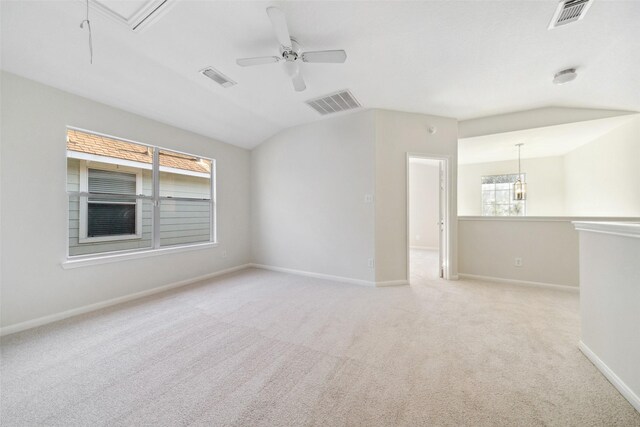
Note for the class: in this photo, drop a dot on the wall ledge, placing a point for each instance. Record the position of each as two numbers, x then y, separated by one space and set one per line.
549 218
629 229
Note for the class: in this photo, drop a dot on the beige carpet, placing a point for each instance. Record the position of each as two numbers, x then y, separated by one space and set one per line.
259 348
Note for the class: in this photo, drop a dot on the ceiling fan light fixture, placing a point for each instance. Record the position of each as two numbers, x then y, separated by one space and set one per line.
565 76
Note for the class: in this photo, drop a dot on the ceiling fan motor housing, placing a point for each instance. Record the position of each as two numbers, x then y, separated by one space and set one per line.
292 53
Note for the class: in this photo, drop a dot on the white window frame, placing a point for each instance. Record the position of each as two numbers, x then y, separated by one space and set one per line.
511 201
84 202
74 261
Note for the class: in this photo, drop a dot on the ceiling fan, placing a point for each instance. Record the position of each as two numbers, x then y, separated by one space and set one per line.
291 52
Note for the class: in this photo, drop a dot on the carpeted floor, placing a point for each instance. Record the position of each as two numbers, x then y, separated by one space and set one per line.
260 348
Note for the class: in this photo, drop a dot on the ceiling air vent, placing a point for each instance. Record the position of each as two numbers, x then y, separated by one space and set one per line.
569 11
217 77
334 103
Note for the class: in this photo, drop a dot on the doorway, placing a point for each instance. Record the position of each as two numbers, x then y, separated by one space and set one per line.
427 203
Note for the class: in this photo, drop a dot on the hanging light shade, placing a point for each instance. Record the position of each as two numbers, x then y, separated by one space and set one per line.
519 187
519 190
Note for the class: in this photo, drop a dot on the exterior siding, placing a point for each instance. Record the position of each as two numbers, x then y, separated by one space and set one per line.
181 222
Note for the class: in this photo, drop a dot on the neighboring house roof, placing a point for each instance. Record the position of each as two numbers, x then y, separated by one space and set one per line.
108 147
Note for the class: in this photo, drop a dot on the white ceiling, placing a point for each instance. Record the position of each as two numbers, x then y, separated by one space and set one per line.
460 59
125 10
539 142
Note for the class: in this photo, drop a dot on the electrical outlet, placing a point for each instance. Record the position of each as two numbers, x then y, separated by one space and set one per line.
368 198
518 262
417 237
371 263
224 253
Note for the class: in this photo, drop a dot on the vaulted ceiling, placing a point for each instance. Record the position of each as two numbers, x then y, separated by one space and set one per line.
544 141
461 59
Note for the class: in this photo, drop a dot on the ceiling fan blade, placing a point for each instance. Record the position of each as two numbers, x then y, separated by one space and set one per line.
293 69
326 56
260 60
279 23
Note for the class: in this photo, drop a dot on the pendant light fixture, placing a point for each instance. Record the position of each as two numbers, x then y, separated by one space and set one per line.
519 187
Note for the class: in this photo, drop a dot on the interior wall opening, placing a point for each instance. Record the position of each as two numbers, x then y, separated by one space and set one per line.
426 218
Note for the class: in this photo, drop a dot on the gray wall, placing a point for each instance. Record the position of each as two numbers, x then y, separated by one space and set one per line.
34 204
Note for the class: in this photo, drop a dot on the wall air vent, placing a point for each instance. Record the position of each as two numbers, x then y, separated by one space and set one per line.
217 77
137 15
334 103
569 11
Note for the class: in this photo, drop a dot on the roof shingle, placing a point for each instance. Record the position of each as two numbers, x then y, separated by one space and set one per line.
83 142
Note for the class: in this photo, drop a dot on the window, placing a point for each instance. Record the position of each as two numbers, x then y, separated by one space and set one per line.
114 212
497 196
126 196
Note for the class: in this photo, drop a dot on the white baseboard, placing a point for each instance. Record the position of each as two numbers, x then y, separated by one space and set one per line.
331 277
392 283
624 390
519 282
17 327
315 275
425 248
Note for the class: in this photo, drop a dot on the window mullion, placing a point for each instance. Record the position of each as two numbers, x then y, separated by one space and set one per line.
156 198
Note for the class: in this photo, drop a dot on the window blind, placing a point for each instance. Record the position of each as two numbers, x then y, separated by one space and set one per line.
108 217
111 182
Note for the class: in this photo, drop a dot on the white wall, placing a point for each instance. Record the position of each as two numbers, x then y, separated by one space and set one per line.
309 185
545 185
424 180
34 204
609 298
602 178
549 249
398 133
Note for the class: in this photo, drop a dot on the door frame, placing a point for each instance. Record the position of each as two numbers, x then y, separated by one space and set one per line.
445 209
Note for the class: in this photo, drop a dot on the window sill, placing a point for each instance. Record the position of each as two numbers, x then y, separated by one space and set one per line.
102 239
116 257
